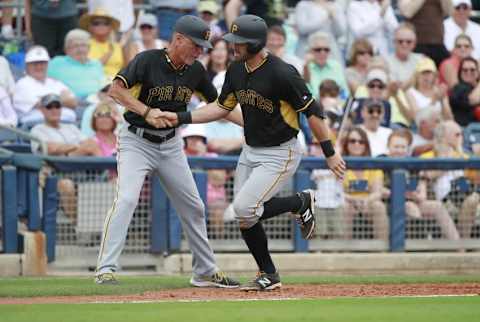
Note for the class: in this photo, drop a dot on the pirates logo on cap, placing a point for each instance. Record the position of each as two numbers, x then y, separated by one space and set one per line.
234 28
207 34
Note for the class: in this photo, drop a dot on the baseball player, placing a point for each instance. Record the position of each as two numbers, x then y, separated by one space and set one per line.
159 80
271 94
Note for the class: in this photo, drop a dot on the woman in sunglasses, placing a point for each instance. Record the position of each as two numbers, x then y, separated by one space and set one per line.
448 70
104 123
359 62
465 96
363 189
426 91
102 44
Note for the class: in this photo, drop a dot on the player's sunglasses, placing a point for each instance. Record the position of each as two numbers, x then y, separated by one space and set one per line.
404 41
462 46
100 22
355 141
320 49
146 27
376 85
53 106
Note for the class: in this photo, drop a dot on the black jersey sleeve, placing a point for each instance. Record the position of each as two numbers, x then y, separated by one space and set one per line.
134 72
293 88
227 98
205 89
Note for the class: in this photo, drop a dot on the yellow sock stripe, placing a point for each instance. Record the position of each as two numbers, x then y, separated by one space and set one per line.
290 158
112 209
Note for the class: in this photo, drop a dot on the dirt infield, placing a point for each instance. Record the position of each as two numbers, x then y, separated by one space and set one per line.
286 292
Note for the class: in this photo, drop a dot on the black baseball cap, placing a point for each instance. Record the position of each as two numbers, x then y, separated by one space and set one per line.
194 28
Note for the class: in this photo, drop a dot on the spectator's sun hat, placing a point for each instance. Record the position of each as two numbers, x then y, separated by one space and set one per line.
147 19
194 130
426 65
456 3
37 54
87 18
377 74
104 109
49 99
208 6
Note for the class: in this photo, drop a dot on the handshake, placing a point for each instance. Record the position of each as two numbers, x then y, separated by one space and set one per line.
160 119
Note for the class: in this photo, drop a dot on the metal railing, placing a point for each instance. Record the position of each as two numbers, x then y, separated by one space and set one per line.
155 229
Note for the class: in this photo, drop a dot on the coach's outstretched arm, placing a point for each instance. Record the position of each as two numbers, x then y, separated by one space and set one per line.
122 95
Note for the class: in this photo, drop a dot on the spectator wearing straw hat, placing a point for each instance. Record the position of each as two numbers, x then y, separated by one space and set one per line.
47 22
101 26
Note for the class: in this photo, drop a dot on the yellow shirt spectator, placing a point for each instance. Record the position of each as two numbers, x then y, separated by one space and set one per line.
359 183
114 63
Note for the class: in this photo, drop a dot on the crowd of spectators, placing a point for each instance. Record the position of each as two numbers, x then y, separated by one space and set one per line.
409 69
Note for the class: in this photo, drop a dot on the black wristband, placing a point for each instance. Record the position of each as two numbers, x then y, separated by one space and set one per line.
327 148
184 118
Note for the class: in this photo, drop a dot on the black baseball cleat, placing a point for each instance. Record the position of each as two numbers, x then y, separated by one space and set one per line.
219 279
306 215
263 282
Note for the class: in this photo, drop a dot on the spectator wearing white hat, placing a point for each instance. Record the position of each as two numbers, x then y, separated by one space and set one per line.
30 88
147 26
459 23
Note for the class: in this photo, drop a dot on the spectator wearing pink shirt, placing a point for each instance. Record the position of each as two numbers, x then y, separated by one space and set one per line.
104 123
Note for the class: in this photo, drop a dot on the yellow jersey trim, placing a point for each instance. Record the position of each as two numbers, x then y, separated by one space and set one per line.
124 80
256 67
229 103
289 115
135 90
306 105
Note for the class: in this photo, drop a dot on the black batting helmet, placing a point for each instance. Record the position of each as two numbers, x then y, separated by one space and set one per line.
250 30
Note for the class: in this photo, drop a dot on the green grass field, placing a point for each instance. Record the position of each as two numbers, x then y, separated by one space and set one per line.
438 309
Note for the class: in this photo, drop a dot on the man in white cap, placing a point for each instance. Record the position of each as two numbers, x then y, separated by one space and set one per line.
459 23
30 88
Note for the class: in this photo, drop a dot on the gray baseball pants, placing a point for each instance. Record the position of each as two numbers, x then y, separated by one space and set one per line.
261 173
136 158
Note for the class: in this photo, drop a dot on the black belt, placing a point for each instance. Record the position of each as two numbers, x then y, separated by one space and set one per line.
152 137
